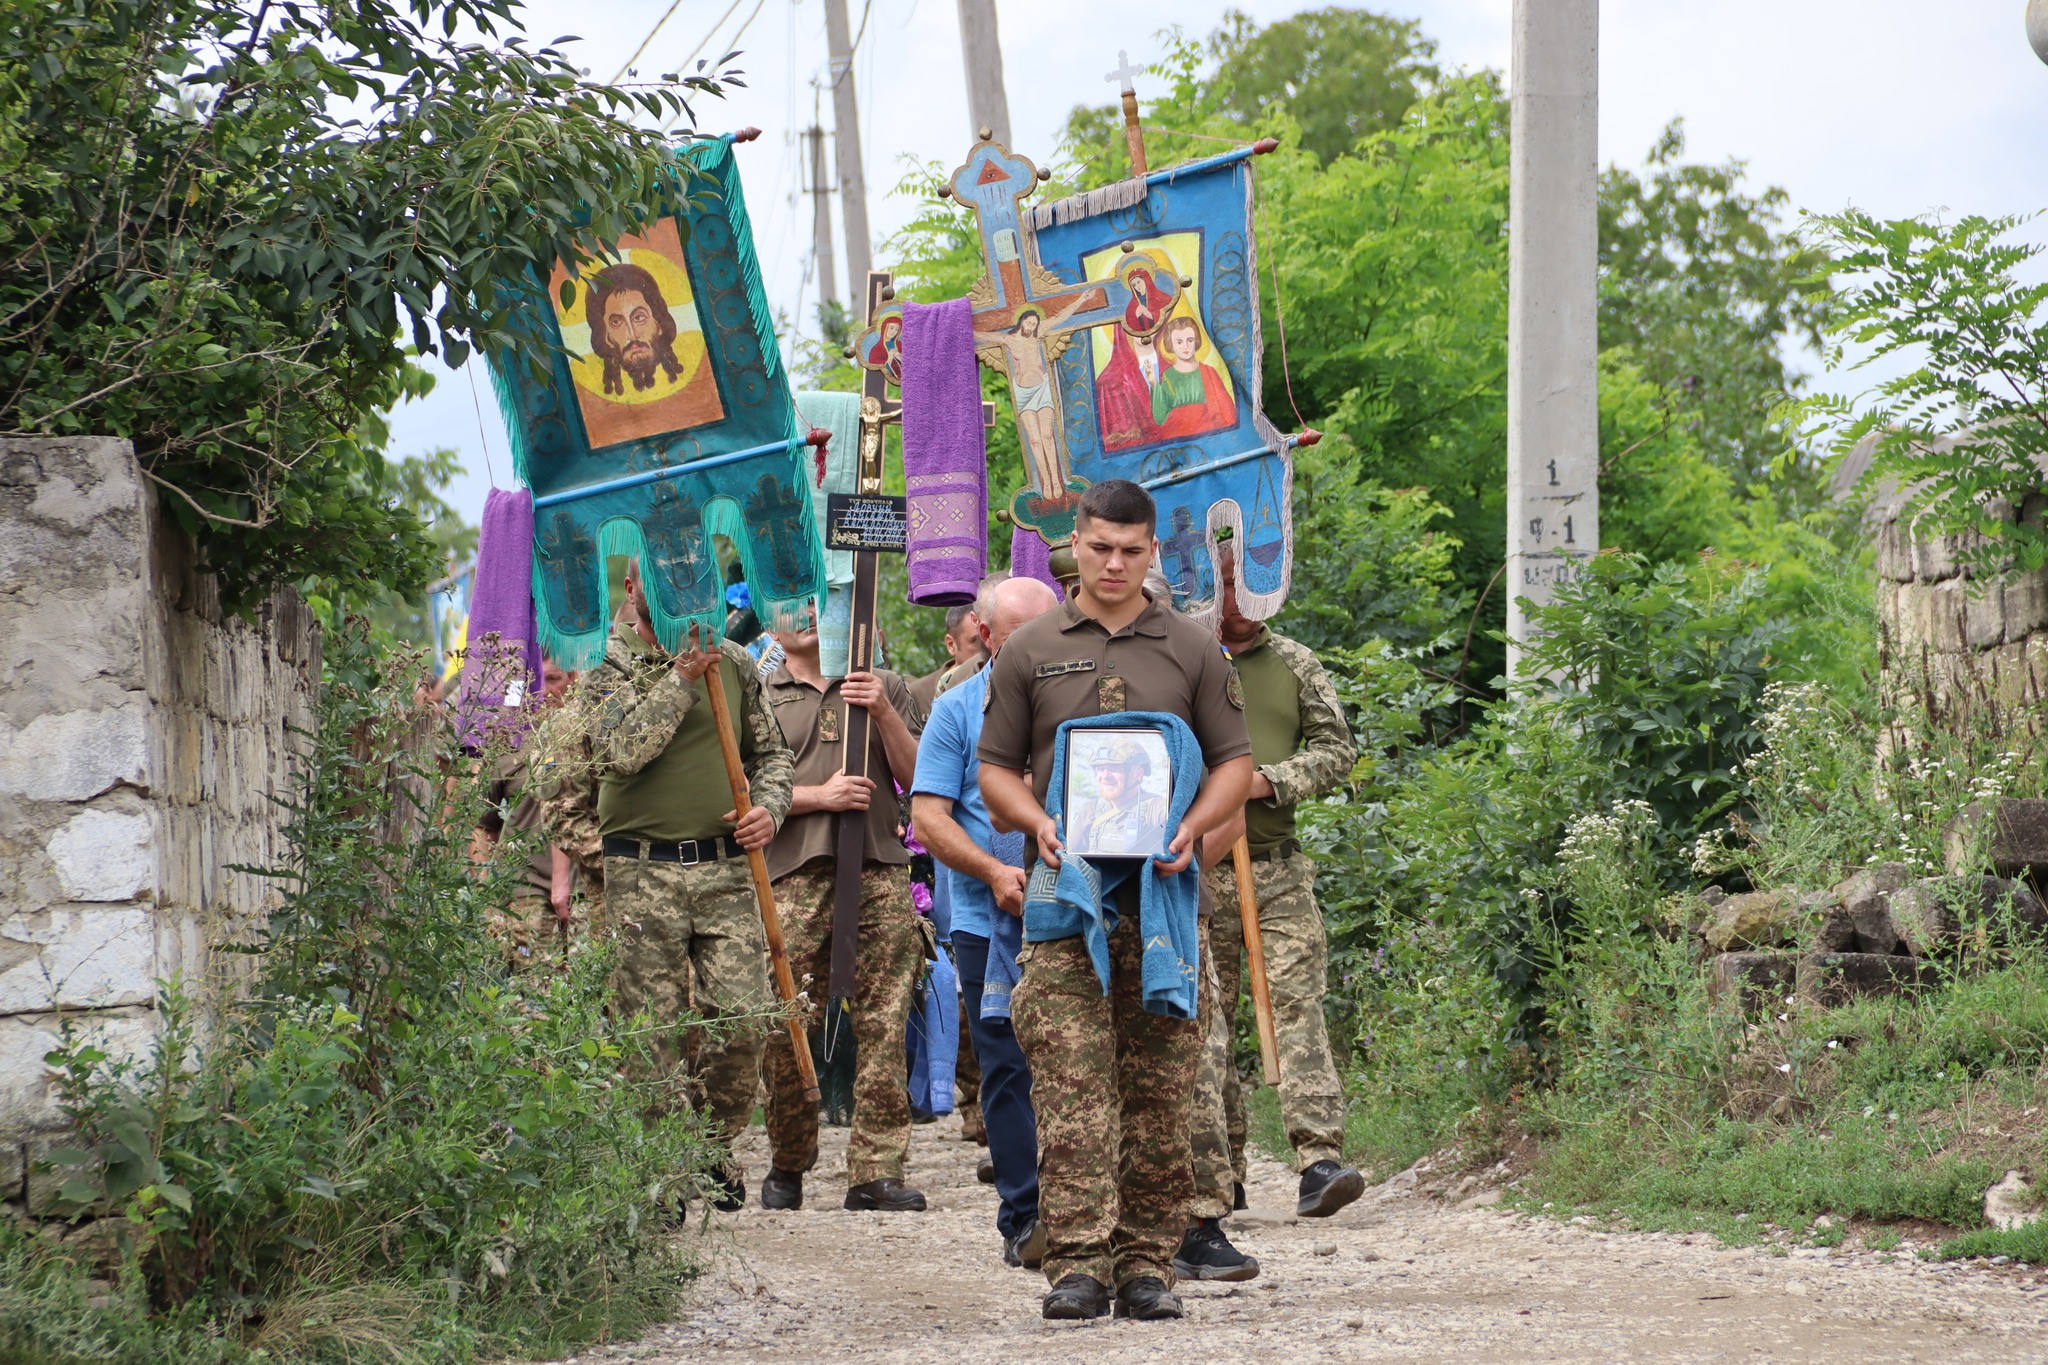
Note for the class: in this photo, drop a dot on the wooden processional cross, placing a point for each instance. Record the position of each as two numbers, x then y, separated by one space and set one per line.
877 410
1025 317
881 358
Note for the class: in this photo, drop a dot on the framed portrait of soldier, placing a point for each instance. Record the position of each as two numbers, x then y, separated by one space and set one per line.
1119 788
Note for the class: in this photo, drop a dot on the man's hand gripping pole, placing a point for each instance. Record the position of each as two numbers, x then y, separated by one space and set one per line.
771 922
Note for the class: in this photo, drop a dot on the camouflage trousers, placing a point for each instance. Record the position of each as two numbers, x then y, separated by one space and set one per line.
1209 1118
1111 1084
1297 975
692 936
530 935
590 886
887 964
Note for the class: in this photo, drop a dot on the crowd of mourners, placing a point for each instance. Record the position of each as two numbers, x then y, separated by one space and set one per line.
1098 954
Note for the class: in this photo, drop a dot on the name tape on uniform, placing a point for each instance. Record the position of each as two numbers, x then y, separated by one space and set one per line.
867 521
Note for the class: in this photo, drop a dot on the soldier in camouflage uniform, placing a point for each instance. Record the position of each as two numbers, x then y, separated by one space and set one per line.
1111 1081
539 923
889 952
1205 1251
565 784
680 895
1302 748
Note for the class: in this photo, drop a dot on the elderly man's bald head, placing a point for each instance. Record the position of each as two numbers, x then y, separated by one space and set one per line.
1006 603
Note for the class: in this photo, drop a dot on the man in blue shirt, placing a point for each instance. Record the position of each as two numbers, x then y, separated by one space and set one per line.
952 822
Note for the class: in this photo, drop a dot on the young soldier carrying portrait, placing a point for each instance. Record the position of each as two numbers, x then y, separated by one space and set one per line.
811 711
1111 1078
678 888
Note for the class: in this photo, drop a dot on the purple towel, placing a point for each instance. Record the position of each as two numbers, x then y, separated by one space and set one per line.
1031 557
945 460
501 661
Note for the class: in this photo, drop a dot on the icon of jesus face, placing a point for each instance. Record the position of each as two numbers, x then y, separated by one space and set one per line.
1028 324
1184 337
632 329
629 327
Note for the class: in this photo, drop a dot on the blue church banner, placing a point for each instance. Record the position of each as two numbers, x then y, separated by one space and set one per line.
1167 395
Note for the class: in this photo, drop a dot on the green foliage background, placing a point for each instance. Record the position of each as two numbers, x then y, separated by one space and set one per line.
226 225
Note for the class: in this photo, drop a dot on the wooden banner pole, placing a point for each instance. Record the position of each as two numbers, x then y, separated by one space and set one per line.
1255 959
764 893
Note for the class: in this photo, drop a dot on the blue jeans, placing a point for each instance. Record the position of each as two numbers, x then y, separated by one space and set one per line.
1005 1094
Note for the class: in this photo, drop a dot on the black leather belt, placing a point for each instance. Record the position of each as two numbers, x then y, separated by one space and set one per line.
688 852
1286 848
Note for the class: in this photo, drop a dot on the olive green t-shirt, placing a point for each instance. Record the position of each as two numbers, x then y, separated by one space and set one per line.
1064 664
683 792
1272 712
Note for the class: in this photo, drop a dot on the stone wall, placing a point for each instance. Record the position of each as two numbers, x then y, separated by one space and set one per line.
1961 624
143 736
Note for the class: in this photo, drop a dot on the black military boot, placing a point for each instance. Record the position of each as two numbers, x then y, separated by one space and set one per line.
1077 1298
1206 1254
1027 1248
887 1195
1327 1187
726 1191
782 1190
1147 1299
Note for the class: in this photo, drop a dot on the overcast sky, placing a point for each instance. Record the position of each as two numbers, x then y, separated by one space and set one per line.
1897 106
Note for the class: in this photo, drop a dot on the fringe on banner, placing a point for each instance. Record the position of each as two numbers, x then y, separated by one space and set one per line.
620 536
1121 195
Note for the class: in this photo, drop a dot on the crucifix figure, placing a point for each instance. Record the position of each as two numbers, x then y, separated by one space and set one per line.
1027 357
1024 318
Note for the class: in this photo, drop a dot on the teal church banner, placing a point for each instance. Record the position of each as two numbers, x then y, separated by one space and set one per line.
664 420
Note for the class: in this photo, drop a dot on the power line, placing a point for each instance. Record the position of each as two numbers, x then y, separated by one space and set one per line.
728 44
667 14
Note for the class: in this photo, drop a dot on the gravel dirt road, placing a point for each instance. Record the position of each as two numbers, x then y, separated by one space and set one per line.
1395 1277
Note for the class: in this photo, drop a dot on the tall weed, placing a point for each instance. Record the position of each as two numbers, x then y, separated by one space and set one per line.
389 1148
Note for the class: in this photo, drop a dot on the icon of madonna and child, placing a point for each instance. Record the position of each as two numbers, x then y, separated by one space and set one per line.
1157 374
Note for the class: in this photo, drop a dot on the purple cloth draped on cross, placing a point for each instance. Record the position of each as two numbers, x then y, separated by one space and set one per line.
507 668
1031 557
945 458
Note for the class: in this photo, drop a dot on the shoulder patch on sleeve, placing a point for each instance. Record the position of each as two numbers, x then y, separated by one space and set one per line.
1234 689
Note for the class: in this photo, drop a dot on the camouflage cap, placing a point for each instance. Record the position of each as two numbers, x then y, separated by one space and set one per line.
1119 753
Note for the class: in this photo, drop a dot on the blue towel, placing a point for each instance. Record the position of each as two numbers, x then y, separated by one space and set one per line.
933 1037
1005 938
1076 899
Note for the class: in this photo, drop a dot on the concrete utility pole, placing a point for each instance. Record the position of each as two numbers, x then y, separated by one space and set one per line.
853 184
820 190
1553 303
981 49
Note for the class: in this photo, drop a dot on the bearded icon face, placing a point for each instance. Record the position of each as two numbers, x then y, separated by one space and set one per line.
631 329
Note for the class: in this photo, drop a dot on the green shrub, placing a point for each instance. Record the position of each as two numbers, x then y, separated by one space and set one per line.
388 1148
